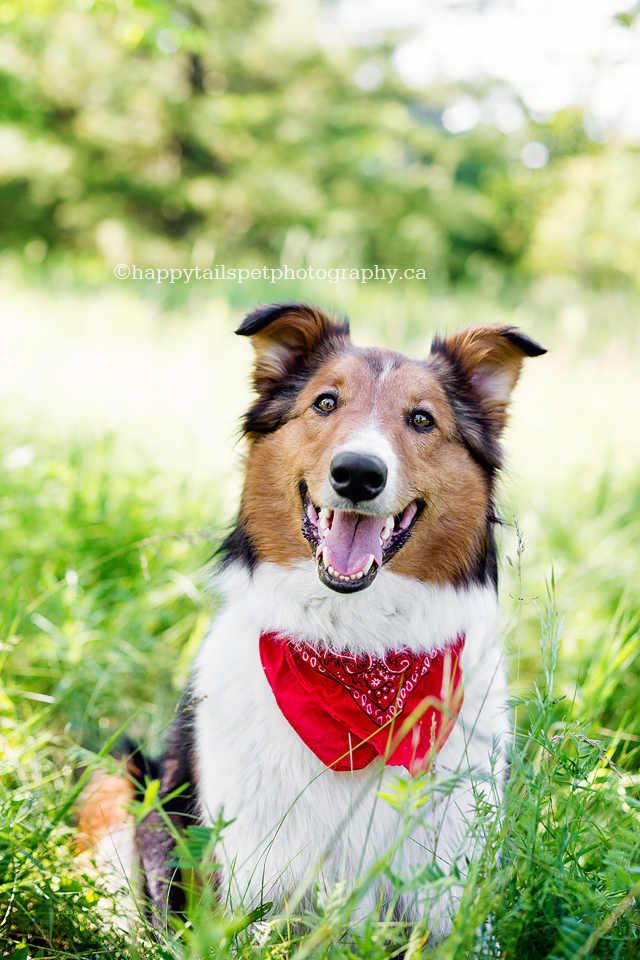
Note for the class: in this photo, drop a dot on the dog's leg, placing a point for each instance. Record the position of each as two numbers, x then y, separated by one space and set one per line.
105 838
155 838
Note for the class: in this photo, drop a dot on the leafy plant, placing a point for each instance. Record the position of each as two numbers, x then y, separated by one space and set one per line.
556 873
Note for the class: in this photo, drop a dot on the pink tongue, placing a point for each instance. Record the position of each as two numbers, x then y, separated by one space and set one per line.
353 537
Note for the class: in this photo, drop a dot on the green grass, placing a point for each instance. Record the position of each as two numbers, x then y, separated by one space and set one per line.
103 604
108 642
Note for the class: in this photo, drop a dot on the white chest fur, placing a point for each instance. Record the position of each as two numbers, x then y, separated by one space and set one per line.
294 817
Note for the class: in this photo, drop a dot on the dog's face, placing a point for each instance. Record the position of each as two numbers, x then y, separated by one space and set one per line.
362 458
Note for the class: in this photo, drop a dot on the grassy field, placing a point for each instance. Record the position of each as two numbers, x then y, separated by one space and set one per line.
119 472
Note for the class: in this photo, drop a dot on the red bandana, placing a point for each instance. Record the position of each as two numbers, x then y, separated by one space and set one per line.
403 707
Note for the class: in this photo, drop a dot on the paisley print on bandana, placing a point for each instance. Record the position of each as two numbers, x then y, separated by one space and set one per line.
350 710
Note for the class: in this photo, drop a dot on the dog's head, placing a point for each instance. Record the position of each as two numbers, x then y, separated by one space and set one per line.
360 458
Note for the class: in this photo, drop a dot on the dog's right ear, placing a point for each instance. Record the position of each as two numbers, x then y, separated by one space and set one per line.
285 336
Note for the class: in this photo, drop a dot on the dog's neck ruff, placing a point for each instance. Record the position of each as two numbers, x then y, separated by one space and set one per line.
351 709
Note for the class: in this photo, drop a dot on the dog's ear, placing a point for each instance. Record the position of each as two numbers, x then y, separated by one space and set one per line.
488 359
285 336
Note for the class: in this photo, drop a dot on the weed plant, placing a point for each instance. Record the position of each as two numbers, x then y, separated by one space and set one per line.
103 609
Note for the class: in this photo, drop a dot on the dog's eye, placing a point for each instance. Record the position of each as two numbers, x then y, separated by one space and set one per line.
421 420
325 403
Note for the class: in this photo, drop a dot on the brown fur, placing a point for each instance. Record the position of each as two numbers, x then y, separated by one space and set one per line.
465 385
435 466
291 337
102 809
492 363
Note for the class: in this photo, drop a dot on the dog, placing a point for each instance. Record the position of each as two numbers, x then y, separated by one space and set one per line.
356 649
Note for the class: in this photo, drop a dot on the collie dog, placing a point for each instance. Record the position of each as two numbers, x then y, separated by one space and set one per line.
355 651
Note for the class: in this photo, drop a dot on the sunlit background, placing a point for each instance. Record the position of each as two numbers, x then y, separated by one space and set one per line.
493 144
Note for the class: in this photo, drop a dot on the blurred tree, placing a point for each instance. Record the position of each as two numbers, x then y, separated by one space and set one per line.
589 225
169 133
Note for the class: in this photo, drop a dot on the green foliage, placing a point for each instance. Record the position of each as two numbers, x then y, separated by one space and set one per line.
570 854
596 546
168 133
46 901
589 221
556 872
160 133
81 545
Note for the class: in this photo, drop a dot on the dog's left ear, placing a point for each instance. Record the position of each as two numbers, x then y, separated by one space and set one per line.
285 336
489 358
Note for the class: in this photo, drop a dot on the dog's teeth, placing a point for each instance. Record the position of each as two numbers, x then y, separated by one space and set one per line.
325 513
319 552
359 575
331 570
368 564
386 533
389 522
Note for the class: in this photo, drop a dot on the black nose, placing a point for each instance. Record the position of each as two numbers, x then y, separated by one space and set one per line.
357 476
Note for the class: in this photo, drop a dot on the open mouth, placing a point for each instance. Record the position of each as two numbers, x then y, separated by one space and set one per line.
351 547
